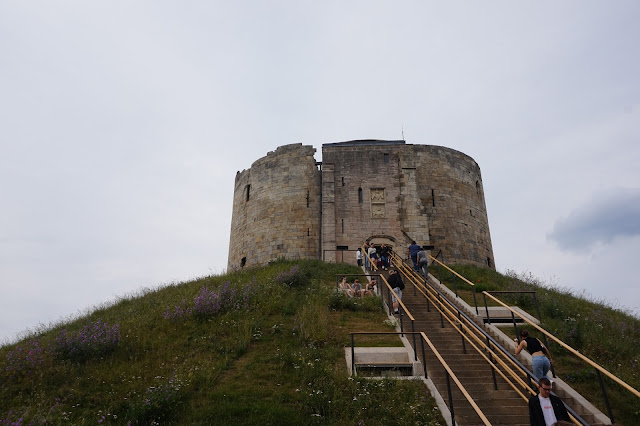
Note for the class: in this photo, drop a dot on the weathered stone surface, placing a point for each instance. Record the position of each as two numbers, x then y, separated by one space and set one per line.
385 191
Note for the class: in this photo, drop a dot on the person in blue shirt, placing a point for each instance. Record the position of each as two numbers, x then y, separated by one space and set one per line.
413 253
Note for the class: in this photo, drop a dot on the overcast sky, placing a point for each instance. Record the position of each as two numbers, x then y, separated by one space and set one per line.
123 124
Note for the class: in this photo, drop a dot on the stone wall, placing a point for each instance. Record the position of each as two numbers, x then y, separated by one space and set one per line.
371 190
393 192
276 208
451 196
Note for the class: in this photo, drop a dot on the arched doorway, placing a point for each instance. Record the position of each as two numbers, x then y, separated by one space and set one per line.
380 239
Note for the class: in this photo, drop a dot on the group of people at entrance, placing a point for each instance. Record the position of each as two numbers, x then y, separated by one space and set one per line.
380 256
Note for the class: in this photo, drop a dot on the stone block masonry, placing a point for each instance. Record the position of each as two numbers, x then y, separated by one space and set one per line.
276 208
366 190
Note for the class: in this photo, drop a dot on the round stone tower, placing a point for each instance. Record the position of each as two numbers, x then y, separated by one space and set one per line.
365 190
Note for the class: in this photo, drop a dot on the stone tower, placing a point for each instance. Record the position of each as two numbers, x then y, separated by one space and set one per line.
287 205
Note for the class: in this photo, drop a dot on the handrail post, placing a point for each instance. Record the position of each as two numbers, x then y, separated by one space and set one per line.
486 307
493 370
464 347
535 299
453 420
604 394
413 333
455 284
353 357
441 309
515 327
475 302
424 358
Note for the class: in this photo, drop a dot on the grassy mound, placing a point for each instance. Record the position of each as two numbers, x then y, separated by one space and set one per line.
261 346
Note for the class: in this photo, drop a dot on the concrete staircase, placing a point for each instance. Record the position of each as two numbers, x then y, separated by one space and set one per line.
578 403
501 406
499 402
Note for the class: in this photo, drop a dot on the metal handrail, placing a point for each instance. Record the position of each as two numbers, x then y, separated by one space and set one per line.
452 271
570 349
389 291
404 308
598 368
437 294
513 318
473 286
446 311
449 374
455 379
366 253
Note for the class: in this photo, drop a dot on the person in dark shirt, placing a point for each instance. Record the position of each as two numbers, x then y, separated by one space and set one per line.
384 256
413 253
540 356
396 283
546 409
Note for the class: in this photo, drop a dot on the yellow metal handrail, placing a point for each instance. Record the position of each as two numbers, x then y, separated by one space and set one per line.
435 351
455 379
570 349
452 271
366 253
404 308
448 312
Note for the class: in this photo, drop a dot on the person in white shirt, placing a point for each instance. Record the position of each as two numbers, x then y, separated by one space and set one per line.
371 251
546 409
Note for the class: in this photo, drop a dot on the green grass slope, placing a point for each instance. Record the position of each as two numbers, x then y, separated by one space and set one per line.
259 347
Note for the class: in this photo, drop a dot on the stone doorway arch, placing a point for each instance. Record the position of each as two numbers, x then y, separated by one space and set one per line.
380 239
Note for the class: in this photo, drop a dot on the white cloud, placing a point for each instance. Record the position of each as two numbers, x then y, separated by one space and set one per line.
606 217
